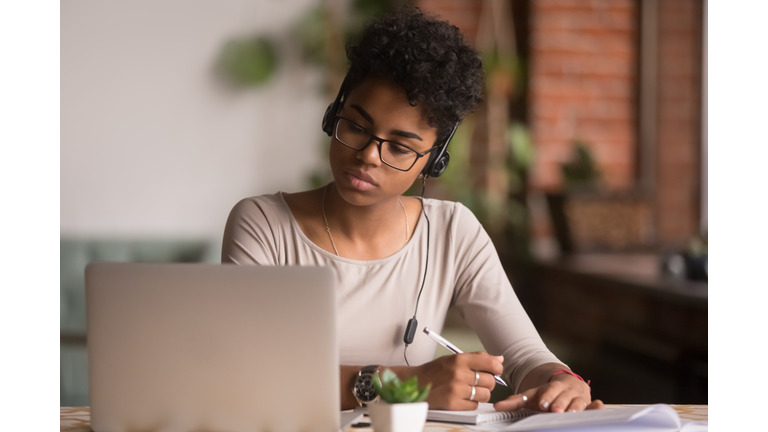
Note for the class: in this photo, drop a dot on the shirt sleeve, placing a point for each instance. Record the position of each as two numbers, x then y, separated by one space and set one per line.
249 237
485 299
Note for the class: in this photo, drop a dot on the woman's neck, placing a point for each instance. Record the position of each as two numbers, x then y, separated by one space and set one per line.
365 232
364 224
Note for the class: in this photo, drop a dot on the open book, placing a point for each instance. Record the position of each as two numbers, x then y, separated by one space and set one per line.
658 417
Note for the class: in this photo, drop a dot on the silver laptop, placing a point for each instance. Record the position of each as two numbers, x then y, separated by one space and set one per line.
182 347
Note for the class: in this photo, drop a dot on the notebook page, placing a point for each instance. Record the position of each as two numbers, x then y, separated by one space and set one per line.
694 426
656 417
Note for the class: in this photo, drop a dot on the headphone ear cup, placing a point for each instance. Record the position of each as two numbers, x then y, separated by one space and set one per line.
430 163
328 118
438 161
440 165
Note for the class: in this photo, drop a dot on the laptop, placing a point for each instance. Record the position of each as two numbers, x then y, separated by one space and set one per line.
212 347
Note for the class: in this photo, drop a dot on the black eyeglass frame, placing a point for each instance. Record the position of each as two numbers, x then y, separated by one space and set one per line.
379 142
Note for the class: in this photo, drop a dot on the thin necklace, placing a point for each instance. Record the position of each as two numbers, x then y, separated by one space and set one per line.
328 229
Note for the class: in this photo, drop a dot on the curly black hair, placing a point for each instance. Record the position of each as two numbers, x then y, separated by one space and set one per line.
430 59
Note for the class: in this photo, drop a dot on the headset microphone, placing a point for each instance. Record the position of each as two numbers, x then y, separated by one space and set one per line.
410 330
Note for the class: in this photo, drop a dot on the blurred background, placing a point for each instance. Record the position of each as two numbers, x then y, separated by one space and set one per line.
586 161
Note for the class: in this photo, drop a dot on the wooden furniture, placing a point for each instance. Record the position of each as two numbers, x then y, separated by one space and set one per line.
601 308
78 419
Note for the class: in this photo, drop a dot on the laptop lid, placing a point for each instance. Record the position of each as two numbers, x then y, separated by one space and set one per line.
212 347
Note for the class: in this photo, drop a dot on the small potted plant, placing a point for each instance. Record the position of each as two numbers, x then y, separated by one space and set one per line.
402 407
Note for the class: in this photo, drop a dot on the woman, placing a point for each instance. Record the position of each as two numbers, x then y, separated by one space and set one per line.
412 78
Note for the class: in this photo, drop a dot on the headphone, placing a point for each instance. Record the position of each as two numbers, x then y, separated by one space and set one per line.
435 167
437 161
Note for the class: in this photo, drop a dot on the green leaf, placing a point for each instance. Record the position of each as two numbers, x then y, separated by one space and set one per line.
249 62
392 390
397 395
520 145
388 396
377 384
411 395
389 377
410 385
423 393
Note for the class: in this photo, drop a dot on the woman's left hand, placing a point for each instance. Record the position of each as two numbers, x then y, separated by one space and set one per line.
564 393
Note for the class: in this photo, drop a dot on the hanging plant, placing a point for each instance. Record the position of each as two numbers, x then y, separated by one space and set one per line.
248 62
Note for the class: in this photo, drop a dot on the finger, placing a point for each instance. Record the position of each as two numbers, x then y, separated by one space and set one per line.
596 404
484 362
486 359
484 380
482 394
486 354
452 397
563 400
547 394
459 397
467 376
577 404
515 402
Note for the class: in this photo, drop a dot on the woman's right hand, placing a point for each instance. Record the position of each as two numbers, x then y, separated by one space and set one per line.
452 378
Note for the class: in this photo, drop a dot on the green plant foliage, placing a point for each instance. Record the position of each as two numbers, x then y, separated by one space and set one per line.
311 32
248 62
457 179
582 171
521 149
372 8
314 28
698 246
392 390
493 62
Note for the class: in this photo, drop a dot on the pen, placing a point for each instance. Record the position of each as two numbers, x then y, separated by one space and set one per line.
454 349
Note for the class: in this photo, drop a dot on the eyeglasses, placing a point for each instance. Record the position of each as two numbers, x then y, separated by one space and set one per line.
391 153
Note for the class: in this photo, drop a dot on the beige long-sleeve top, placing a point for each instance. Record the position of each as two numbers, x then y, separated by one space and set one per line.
376 298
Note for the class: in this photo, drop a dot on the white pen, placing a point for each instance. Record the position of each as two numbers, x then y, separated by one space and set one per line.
454 349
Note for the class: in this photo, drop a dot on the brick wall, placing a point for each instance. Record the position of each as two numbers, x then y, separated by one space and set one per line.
678 143
584 84
583 81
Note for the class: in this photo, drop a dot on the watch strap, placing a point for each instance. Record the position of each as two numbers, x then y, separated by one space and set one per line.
370 370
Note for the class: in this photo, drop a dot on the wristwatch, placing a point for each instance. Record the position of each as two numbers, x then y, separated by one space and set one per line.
363 389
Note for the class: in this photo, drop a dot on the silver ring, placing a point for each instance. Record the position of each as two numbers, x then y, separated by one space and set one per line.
477 378
472 396
525 398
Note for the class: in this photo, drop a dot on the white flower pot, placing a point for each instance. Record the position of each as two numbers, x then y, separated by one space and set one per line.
403 417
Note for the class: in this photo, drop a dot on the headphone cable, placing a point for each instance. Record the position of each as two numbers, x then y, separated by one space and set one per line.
426 262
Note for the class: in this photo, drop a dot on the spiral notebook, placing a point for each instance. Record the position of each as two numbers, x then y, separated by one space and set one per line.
484 414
